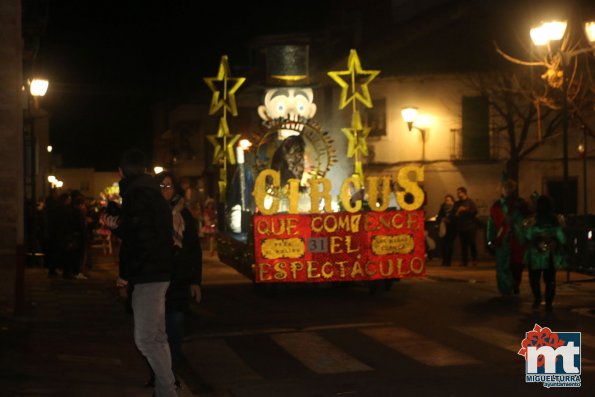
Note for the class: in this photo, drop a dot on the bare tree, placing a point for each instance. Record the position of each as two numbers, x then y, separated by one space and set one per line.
540 96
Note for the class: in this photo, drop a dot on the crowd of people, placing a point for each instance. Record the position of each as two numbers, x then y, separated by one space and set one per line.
66 223
521 234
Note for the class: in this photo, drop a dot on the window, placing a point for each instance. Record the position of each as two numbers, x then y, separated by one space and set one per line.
475 133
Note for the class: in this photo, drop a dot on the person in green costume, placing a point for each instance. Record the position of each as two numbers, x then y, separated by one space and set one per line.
545 237
505 239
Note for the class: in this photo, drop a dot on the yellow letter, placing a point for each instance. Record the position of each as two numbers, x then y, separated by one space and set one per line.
357 269
348 241
280 272
369 271
327 273
373 193
416 265
317 224
294 186
345 194
410 187
260 187
295 267
262 271
291 227
312 270
316 195
389 271
341 265
336 245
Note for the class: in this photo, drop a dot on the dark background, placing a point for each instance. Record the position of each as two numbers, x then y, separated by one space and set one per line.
108 62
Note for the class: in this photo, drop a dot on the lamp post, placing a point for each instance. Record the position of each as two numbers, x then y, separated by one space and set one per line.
582 151
36 133
543 35
410 115
549 35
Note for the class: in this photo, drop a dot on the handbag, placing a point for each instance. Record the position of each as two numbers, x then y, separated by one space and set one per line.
442 228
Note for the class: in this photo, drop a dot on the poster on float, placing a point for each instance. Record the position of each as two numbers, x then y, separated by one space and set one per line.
339 246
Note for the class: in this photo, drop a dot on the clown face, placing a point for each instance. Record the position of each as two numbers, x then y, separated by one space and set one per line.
292 104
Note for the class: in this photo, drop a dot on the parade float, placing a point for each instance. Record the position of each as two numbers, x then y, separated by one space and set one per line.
286 216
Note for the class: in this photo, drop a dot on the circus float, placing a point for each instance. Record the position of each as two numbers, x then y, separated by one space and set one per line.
295 209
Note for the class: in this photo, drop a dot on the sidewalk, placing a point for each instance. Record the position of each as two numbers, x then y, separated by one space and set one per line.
574 291
485 272
74 339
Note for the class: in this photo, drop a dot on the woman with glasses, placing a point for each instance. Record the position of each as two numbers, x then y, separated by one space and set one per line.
187 266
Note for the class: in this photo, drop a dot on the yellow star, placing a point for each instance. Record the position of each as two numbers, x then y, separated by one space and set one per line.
357 77
219 139
224 143
357 140
357 136
220 84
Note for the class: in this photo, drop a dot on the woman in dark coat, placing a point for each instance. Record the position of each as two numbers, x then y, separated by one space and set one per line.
447 228
187 265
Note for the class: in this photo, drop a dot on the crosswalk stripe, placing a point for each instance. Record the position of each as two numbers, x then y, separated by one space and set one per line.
418 347
318 354
214 360
512 343
493 336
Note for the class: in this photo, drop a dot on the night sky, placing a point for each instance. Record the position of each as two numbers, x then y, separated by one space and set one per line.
108 62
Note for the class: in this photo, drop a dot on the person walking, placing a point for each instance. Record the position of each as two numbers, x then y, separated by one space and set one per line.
545 239
145 227
209 227
187 267
446 229
66 236
465 216
505 239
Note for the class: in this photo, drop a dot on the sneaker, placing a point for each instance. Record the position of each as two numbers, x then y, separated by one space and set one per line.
81 276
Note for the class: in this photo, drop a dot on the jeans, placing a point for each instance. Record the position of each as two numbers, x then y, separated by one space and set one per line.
549 277
468 244
174 321
148 308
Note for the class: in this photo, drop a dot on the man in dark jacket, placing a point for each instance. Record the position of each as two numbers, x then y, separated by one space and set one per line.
145 228
465 217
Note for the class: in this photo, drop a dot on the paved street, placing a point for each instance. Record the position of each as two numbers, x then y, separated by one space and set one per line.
449 334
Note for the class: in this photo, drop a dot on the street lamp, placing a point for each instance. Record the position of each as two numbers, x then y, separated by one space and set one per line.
38 87
410 115
550 34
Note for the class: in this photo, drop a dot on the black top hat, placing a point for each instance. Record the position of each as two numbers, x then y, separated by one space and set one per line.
287 65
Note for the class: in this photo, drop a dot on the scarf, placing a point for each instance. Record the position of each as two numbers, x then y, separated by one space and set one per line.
179 225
